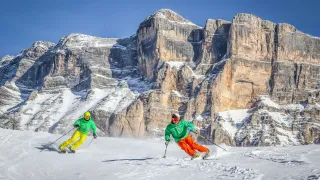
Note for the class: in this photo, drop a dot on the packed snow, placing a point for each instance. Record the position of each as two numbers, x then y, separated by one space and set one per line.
120 158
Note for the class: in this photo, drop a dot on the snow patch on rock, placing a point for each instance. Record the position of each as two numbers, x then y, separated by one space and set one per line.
171 16
175 64
266 101
78 41
7 58
231 120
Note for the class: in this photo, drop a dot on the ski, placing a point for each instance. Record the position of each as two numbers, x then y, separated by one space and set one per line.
62 152
206 156
71 151
202 156
67 150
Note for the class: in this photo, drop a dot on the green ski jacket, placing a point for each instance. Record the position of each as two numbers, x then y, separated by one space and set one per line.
178 131
84 125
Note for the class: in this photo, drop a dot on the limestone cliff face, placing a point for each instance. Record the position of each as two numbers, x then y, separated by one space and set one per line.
214 44
253 68
166 36
13 69
267 74
251 38
296 70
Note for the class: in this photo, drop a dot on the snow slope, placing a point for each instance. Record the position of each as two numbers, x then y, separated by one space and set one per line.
115 158
55 112
232 120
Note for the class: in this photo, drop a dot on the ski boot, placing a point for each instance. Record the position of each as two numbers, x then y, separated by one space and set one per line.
208 154
62 150
196 155
71 150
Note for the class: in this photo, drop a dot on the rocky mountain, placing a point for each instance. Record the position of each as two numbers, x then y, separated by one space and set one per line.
249 82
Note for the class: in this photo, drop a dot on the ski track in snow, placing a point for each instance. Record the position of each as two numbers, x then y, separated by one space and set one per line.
122 158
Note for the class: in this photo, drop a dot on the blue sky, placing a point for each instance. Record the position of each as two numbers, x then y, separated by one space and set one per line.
26 21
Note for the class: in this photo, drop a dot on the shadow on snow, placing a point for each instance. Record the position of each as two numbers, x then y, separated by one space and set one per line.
133 159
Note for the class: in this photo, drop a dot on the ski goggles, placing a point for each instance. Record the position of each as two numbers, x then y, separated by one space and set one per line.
175 120
87 117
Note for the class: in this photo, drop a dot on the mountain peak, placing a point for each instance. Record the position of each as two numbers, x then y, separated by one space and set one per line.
36 49
77 40
166 11
44 44
170 16
7 58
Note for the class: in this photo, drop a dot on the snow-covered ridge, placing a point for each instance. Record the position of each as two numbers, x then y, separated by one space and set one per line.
38 46
171 16
7 58
77 41
266 101
35 47
45 45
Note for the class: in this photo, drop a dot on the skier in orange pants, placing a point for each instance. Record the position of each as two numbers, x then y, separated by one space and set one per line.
190 146
179 131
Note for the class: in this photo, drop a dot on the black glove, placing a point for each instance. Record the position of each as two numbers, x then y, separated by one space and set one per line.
76 126
95 135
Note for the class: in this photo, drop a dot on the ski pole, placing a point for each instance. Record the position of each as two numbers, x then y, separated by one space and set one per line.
59 138
91 141
207 139
165 152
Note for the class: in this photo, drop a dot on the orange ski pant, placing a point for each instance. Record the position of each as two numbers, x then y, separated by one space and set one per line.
190 146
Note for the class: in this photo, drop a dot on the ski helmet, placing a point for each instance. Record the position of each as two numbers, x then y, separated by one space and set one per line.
175 115
87 115
175 118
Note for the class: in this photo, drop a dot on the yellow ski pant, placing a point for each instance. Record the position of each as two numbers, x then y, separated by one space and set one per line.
74 138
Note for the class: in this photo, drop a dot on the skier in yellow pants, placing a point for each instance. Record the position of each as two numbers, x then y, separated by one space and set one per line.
83 125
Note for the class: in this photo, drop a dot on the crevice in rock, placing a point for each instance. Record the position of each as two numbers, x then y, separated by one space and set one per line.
273 61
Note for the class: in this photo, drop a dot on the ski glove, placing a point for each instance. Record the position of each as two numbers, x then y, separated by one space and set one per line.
76 126
167 142
95 135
